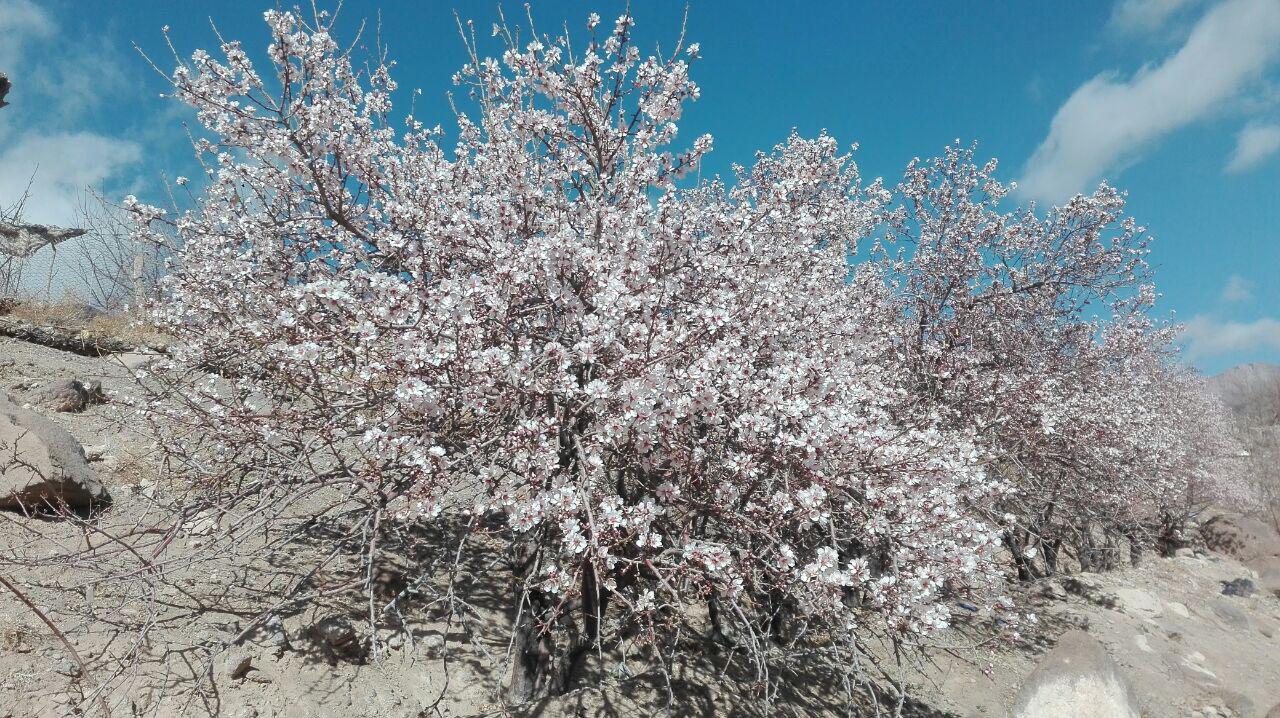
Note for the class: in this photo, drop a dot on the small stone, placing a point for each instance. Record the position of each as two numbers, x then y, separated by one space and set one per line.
272 635
1184 552
202 524
339 638
238 664
135 361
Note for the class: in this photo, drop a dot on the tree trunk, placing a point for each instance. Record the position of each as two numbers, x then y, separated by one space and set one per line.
1016 542
1051 551
1135 549
67 340
551 650
533 673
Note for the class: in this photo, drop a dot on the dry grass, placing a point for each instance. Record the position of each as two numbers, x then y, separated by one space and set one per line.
64 313
127 328
73 314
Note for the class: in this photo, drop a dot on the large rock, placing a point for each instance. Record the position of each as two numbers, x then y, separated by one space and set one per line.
70 395
1251 541
42 465
1077 679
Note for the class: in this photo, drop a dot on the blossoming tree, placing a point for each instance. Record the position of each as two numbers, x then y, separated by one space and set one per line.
674 405
1031 332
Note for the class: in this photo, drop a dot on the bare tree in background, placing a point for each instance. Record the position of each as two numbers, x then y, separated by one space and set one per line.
19 240
116 271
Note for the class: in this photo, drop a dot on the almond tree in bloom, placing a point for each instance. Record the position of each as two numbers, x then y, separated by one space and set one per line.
664 402
1031 332
675 407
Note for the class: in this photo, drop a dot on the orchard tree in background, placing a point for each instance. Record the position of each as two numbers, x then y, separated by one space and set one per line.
678 407
1032 333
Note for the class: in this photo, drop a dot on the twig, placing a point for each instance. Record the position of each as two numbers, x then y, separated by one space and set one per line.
84 669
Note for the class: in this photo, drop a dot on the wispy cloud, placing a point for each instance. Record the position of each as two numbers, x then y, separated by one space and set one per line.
1254 144
1110 121
21 22
44 146
1205 336
62 166
1146 16
1238 289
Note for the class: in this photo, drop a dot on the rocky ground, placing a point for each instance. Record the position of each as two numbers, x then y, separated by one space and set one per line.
1193 635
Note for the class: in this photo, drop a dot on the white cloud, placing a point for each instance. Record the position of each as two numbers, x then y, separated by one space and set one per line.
21 21
1205 336
1255 143
1145 16
49 148
59 168
1238 289
1109 121
58 79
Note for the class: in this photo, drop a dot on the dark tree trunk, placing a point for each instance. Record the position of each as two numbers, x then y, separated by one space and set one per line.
775 621
1051 551
551 644
594 601
1016 542
533 674
1135 548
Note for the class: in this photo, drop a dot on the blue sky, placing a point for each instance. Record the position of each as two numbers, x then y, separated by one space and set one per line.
1177 101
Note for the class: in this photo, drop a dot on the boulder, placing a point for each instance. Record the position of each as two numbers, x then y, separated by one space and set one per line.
69 395
1250 541
41 464
1241 587
1077 679
1137 602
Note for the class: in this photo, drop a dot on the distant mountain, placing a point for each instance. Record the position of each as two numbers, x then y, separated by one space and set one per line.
1251 391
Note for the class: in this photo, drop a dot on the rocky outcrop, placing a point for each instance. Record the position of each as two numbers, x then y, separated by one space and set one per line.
1252 542
1244 538
1077 679
24 240
41 465
1251 391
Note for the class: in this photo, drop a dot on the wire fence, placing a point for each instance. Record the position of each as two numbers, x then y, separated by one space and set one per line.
96 264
